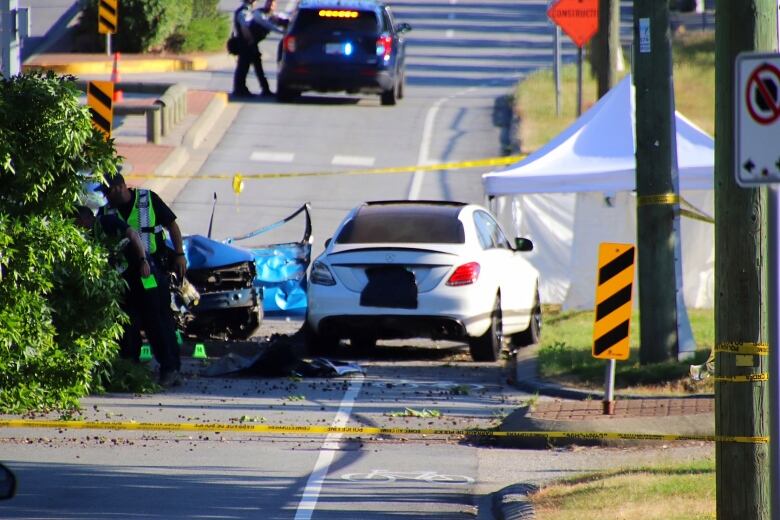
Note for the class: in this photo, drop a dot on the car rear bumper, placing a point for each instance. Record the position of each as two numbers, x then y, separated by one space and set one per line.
392 326
335 79
440 315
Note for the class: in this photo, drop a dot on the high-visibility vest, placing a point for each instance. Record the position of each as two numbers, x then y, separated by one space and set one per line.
143 220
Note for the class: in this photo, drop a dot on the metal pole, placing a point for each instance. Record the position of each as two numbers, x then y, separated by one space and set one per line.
557 69
579 81
108 44
774 343
609 388
9 38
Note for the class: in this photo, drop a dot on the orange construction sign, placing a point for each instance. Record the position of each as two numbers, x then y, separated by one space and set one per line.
578 18
614 286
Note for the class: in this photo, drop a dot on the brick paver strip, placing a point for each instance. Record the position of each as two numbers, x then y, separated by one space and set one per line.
651 407
198 100
143 158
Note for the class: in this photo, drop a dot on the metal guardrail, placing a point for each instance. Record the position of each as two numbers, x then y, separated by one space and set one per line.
168 110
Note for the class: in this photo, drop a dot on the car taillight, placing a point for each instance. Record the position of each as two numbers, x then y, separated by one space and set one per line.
384 46
289 43
465 274
321 275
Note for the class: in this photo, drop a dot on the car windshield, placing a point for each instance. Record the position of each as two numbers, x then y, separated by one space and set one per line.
310 20
402 227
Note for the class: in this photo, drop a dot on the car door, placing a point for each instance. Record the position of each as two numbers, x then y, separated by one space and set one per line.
399 44
511 272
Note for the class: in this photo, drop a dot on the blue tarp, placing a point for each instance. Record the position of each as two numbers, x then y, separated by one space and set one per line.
280 268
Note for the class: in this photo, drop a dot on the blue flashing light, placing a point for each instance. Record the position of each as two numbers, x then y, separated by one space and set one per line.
348 49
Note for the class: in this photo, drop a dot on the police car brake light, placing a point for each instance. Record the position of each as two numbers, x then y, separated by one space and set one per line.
384 46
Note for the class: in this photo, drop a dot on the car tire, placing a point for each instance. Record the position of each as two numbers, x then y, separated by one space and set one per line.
533 334
286 95
318 344
363 343
388 96
487 347
401 84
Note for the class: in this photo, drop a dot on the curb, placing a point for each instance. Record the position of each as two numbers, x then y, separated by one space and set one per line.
512 503
202 126
129 66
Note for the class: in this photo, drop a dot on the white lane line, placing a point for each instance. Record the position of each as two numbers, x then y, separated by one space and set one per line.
352 160
272 156
425 147
449 34
311 492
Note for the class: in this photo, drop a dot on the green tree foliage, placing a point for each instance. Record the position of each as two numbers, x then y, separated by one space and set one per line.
154 25
59 316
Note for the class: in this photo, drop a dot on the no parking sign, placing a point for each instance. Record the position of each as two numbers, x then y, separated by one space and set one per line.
757 119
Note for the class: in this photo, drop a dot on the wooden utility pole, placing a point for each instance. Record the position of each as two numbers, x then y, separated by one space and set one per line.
656 181
741 298
605 46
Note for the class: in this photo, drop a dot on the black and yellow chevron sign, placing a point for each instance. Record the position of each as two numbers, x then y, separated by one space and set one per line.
100 96
107 16
615 281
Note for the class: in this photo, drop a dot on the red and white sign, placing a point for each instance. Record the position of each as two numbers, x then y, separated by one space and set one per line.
578 18
757 119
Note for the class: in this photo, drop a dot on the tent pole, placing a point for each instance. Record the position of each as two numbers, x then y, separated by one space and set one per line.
579 81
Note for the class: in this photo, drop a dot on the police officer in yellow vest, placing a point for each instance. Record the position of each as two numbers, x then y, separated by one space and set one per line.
142 299
145 211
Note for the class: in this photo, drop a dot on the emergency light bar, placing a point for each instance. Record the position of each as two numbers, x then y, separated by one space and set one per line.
328 13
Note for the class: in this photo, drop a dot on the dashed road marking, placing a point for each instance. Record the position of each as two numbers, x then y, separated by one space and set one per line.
283 157
352 160
449 34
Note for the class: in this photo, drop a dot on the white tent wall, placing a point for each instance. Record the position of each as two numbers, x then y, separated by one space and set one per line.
567 228
557 197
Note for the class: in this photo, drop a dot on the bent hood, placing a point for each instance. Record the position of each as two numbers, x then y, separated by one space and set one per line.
204 253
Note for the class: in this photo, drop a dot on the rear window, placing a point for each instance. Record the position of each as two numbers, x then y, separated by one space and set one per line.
311 20
403 227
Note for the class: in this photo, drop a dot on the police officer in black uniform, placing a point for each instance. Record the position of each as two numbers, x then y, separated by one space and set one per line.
145 212
248 52
143 300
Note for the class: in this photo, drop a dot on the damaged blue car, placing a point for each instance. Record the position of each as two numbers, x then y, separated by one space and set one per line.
230 288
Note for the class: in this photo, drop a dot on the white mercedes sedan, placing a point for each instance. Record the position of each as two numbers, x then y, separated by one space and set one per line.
423 269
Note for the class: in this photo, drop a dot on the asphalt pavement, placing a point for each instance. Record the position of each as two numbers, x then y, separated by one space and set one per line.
572 411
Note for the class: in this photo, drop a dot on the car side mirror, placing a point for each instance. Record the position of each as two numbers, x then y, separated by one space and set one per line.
403 28
327 242
7 483
523 244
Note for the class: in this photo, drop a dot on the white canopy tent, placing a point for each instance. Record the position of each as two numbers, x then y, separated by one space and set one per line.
578 191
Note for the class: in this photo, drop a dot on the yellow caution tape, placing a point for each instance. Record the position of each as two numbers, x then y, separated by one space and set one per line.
651 200
756 349
750 378
459 165
697 216
289 429
671 198
694 213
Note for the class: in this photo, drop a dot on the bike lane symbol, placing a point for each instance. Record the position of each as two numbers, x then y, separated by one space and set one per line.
763 94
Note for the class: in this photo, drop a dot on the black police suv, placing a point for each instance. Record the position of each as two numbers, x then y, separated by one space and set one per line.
343 45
